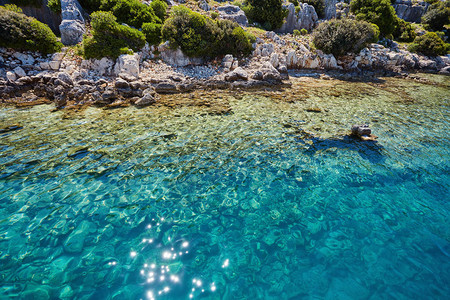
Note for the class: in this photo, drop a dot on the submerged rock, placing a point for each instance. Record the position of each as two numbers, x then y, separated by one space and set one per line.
363 132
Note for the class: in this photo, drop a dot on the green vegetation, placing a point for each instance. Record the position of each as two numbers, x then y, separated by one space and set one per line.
20 32
14 8
54 5
429 44
200 36
152 33
342 36
131 12
109 39
269 13
319 6
437 16
404 31
160 9
379 12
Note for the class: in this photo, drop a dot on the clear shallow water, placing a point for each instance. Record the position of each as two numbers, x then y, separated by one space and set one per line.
269 201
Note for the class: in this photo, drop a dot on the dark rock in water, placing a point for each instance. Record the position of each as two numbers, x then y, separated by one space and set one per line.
9 128
363 132
360 130
166 88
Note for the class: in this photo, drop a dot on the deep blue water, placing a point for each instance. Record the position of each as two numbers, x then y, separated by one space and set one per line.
267 202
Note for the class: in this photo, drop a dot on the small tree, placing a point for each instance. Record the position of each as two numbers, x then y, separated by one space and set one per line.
437 16
379 12
269 13
342 36
429 44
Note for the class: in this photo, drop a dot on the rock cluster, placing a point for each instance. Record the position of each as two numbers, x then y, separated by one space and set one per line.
72 26
306 17
411 11
234 13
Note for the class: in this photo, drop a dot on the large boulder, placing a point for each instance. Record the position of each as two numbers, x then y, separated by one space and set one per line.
237 74
176 57
234 13
409 11
330 9
128 64
306 17
72 26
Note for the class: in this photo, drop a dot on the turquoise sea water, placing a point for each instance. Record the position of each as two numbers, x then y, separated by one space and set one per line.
269 201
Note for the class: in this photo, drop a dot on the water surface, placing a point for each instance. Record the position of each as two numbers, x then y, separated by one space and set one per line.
268 201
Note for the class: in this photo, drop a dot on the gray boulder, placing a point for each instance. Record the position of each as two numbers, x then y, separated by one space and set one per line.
306 18
176 57
330 9
234 13
237 74
72 26
410 12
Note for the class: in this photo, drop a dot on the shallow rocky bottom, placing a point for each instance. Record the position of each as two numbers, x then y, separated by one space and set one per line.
231 195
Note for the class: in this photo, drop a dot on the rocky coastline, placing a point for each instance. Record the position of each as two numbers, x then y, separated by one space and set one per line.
28 78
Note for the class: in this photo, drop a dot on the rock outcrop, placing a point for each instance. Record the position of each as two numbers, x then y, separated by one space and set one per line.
306 17
176 57
128 64
330 9
411 11
72 26
234 13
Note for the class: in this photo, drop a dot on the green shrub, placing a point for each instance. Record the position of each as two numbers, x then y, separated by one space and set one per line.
200 36
437 16
404 32
297 32
295 2
20 32
54 5
109 39
341 36
131 12
214 15
14 8
379 12
429 44
152 33
160 9
269 13
303 31
319 6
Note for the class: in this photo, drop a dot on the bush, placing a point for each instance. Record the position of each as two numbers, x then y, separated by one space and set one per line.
214 15
152 33
20 32
303 31
319 6
379 12
269 13
55 6
109 39
341 36
429 44
437 15
200 36
297 32
131 12
159 8
404 32
14 8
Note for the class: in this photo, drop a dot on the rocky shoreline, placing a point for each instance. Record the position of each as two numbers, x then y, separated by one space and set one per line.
138 79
